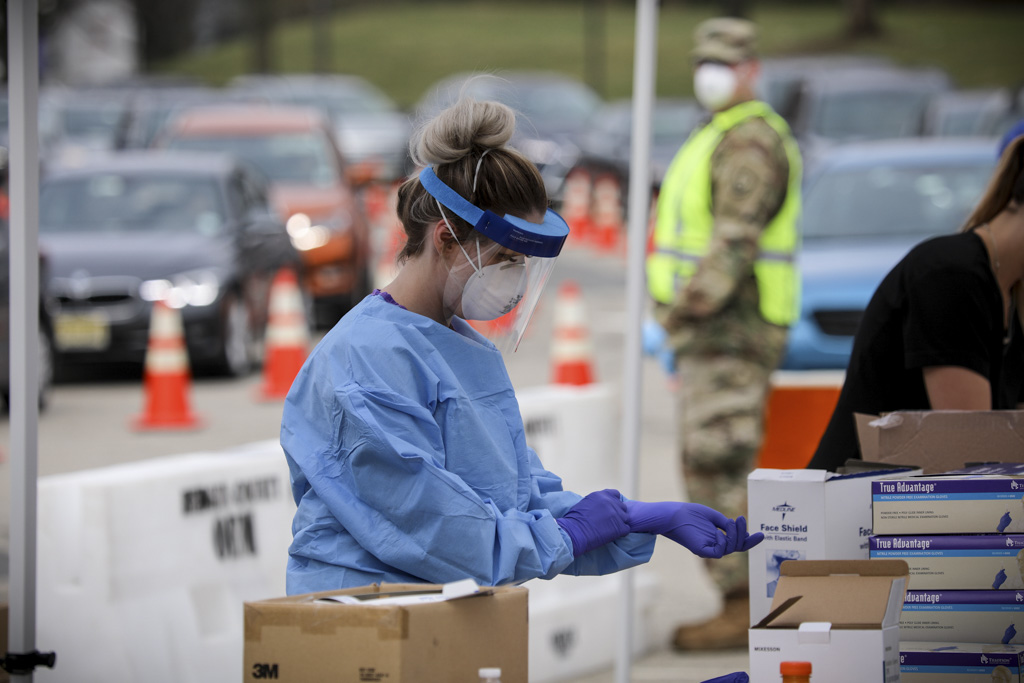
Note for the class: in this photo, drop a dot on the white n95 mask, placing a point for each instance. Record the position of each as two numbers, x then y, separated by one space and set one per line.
493 291
714 85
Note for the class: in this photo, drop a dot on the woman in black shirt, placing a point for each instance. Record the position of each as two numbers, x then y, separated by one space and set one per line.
943 331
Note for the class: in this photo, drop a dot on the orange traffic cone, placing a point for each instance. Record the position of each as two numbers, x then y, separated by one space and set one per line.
576 205
287 337
572 353
167 378
607 216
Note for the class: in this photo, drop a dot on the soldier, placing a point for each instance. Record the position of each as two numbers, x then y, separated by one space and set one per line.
725 289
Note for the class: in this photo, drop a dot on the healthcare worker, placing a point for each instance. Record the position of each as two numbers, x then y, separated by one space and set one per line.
408 458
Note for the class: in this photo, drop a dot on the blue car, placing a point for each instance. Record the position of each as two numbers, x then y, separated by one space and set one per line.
865 206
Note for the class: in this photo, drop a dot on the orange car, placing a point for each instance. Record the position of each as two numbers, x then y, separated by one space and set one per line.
310 186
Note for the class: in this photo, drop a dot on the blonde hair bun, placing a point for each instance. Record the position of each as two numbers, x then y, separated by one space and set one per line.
463 127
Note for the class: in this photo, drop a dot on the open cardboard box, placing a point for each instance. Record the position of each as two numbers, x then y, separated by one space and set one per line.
842 616
942 440
398 633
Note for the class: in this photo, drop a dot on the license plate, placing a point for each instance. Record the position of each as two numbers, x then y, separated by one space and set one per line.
81 332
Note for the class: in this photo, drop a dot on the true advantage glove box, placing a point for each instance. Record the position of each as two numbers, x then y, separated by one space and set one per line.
988 499
807 515
985 616
392 633
952 562
842 616
925 662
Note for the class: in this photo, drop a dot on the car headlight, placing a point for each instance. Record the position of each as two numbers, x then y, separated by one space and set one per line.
306 234
194 288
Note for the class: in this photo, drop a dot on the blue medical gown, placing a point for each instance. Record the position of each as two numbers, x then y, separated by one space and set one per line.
409 463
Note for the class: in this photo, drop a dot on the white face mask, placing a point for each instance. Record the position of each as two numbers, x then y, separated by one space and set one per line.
493 290
714 85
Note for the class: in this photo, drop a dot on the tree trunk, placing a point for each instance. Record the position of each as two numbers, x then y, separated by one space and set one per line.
262 28
861 19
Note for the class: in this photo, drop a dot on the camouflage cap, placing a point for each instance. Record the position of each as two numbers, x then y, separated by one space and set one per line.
725 39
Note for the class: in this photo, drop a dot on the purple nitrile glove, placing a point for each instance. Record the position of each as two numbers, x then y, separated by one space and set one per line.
738 677
598 519
702 530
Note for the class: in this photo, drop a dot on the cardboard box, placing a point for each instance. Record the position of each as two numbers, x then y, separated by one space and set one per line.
924 662
806 515
942 440
979 500
842 616
313 637
951 562
963 616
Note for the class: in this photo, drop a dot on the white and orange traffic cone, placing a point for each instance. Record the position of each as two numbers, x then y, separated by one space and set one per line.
167 377
607 216
576 205
286 341
572 352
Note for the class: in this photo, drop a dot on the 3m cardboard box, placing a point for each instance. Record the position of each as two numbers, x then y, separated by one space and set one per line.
923 662
963 616
977 500
842 616
951 562
392 633
942 440
806 515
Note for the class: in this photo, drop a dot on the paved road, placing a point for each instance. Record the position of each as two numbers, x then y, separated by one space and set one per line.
87 426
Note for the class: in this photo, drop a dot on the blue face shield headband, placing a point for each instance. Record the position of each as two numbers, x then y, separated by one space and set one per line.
533 239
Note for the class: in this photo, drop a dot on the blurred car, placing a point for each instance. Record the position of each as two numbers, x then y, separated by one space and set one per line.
980 112
863 103
865 205
780 78
193 230
309 187
607 144
555 111
149 109
371 130
77 125
44 358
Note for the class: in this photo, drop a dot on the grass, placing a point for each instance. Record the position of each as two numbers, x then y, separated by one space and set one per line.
405 46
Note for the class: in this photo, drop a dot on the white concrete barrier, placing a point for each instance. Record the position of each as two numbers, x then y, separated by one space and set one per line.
143 568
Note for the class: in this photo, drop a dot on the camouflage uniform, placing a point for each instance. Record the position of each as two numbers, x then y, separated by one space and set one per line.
725 350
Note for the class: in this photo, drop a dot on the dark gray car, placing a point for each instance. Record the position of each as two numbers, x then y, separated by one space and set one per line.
192 229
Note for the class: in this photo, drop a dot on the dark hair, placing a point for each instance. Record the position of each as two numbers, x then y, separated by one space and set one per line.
1006 185
453 143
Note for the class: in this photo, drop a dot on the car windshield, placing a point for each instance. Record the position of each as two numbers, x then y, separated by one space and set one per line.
290 158
888 200
340 105
131 203
870 115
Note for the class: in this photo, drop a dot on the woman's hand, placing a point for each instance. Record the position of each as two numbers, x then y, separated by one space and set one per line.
702 530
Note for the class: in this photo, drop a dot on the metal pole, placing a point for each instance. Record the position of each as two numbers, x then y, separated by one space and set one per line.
23 90
639 200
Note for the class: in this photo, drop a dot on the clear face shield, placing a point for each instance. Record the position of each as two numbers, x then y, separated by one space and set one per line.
500 272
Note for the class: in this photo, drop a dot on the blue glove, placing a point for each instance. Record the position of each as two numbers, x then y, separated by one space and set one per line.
703 531
655 340
597 520
738 677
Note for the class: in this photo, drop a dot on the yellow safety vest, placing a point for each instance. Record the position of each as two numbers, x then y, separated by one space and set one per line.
685 222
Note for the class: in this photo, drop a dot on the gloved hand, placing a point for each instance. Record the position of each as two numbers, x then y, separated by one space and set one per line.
597 520
738 677
655 343
702 530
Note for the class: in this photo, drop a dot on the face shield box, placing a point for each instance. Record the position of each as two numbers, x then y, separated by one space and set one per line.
963 616
988 499
399 633
942 440
952 562
806 515
933 662
842 616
